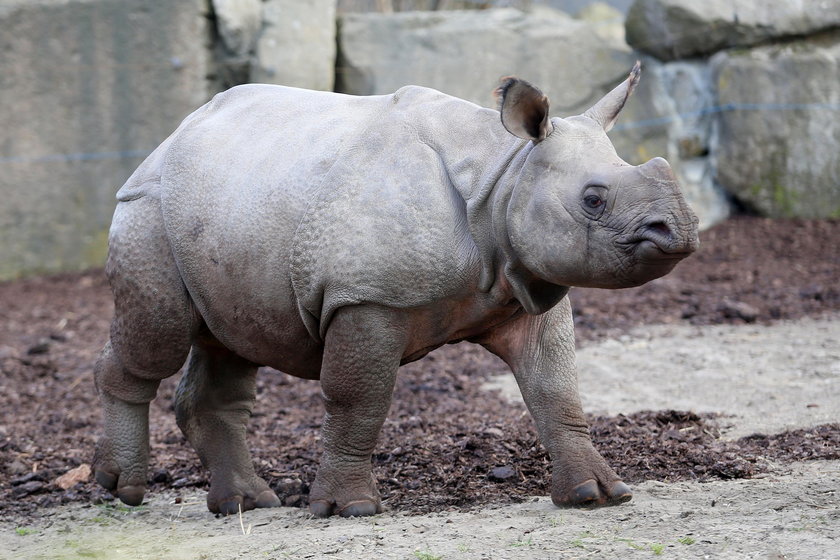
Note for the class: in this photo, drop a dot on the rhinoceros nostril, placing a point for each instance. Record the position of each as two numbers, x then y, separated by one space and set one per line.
660 228
657 233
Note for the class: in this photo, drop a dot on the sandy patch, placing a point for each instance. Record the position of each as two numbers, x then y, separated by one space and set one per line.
764 378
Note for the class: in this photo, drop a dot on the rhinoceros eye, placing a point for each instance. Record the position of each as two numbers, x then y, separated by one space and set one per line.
593 202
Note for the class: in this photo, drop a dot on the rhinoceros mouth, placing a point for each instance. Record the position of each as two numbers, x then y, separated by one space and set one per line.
656 241
649 250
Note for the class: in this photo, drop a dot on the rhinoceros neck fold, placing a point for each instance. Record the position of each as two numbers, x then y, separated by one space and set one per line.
485 210
483 162
485 175
534 294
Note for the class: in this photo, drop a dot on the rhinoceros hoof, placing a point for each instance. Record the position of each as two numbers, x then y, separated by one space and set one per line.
358 508
131 495
350 492
130 490
106 480
590 494
231 505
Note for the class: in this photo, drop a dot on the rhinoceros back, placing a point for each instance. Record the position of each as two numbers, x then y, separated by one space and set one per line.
283 205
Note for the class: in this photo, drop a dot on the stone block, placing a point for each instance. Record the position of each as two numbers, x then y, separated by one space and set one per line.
296 46
779 130
672 29
465 53
87 89
239 23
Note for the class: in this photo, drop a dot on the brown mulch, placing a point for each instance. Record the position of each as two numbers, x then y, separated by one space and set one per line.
446 443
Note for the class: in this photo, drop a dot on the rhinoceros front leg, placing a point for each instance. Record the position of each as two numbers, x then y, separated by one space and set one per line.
362 352
541 352
213 404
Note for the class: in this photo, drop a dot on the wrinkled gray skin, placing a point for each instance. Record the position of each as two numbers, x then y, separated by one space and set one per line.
336 237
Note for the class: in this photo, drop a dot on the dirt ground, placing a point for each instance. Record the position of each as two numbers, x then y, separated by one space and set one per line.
741 337
791 514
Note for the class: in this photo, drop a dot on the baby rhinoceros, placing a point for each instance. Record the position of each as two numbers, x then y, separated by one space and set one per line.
336 237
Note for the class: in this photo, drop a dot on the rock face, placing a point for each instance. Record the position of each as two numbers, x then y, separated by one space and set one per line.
779 127
578 6
238 24
88 89
296 46
574 62
671 29
464 53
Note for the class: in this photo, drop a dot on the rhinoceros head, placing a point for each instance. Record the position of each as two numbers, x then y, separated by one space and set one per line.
581 216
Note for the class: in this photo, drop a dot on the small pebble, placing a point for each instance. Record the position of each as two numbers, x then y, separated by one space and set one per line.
500 474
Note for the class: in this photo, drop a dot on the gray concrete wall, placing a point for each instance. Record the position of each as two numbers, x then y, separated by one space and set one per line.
87 89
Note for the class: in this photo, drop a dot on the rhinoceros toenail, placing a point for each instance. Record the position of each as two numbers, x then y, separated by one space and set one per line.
230 507
321 508
267 499
131 495
586 492
361 508
620 493
106 480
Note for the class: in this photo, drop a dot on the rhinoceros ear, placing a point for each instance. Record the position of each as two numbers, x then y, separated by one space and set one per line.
605 112
524 109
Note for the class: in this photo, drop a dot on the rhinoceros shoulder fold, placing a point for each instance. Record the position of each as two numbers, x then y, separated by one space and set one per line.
387 229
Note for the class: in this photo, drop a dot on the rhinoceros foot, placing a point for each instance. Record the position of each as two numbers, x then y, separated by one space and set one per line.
587 494
120 463
356 496
360 508
236 500
583 479
107 474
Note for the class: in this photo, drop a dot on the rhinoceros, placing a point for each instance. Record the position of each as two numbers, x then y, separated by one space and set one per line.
336 237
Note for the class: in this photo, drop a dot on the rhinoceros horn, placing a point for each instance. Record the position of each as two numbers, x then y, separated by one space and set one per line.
605 111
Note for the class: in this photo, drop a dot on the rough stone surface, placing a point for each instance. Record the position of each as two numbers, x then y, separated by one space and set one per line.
297 44
568 6
87 90
670 116
464 53
606 21
238 23
779 127
579 6
671 29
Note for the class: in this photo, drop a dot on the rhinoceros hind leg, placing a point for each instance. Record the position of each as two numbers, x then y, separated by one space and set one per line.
122 453
153 325
362 352
213 404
